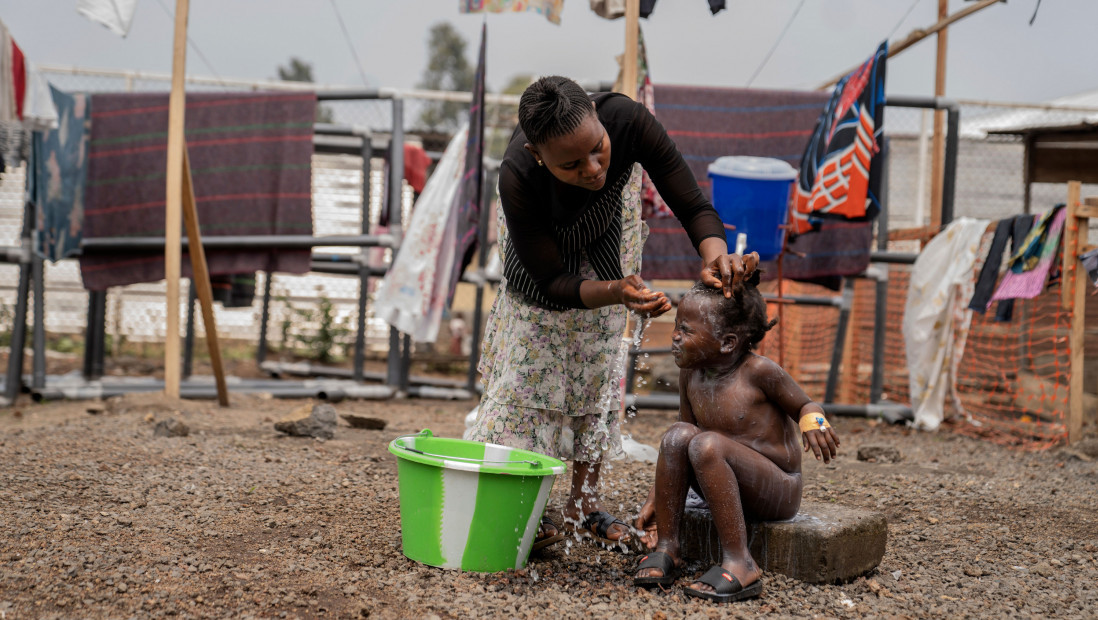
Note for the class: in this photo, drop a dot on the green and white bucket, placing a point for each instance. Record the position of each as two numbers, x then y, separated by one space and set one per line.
470 505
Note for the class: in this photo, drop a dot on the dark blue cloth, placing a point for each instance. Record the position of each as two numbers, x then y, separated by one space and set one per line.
59 175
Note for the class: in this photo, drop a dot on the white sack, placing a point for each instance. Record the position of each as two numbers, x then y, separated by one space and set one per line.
936 317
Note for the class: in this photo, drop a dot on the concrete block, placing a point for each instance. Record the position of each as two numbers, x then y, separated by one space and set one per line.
824 543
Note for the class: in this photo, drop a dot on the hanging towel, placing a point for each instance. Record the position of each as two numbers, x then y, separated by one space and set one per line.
936 319
413 294
57 182
840 173
250 159
1022 225
1038 250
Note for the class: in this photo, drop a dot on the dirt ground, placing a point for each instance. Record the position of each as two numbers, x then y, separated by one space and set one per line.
103 519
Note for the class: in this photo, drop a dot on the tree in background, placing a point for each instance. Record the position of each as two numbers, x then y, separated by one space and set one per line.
448 70
502 119
298 70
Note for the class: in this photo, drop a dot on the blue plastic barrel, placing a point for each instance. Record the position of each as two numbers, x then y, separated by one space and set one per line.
751 194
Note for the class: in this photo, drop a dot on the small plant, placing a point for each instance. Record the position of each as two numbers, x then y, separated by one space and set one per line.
7 321
320 344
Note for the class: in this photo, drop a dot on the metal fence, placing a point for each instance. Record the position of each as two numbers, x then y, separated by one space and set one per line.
989 184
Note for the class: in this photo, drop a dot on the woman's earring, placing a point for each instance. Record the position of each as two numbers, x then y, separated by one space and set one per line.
541 163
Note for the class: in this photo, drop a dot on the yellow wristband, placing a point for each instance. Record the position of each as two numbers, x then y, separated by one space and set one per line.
813 421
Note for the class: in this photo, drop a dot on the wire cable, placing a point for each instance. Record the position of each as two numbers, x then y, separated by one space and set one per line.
776 43
194 46
347 38
903 19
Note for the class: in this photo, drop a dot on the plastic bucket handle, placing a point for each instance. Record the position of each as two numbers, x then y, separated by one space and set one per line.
456 458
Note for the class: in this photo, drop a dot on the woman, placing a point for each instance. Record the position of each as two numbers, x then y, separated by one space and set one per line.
571 241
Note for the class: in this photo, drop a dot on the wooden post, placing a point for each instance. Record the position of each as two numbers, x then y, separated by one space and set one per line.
937 152
1073 283
174 200
629 60
201 279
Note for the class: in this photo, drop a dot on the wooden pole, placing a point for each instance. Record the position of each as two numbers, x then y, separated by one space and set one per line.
629 60
201 279
1076 229
937 148
174 200
918 35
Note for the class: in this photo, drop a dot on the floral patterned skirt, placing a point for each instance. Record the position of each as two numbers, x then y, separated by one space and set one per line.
553 379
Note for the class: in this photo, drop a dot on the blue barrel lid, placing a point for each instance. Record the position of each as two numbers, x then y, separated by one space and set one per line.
744 167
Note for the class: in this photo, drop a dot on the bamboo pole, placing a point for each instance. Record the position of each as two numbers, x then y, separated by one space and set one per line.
629 60
918 35
173 201
201 279
937 147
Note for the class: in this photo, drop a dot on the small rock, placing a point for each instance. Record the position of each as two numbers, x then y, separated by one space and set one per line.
171 428
879 454
1044 569
320 422
974 571
360 421
95 408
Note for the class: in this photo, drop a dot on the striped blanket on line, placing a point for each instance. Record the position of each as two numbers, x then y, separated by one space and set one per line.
707 123
250 159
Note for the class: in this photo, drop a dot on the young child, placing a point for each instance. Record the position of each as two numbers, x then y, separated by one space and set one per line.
735 442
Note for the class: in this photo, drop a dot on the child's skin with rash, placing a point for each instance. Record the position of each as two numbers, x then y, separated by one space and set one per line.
735 441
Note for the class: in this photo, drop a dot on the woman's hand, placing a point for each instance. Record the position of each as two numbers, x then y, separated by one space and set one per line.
638 298
728 271
646 523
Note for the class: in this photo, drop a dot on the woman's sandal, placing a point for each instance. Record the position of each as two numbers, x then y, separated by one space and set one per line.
596 525
541 543
726 587
662 561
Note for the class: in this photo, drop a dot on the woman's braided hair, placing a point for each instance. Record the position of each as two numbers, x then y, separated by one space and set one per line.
744 313
551 107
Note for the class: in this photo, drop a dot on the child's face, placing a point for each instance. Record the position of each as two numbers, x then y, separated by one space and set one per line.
696 342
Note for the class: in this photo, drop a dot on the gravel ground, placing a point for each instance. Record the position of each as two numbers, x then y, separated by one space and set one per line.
104 519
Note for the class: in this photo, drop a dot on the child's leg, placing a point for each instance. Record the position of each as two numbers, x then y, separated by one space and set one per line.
736 479
672 481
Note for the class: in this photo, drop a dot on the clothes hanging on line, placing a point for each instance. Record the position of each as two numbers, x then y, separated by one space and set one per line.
1090 264
58 176
251 162
1038 253
13 77
1012 230
840 172
613 9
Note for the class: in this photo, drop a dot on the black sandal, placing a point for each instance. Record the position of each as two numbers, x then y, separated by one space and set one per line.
597 525
726 587
662 561
541 543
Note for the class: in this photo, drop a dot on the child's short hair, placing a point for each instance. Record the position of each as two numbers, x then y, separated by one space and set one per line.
744 313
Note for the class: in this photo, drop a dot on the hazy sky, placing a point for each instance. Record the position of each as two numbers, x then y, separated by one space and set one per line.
993 55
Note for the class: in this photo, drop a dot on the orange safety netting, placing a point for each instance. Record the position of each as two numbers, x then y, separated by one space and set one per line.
1012 380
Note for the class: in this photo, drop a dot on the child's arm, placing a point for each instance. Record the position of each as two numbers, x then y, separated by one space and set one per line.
786 393
686 412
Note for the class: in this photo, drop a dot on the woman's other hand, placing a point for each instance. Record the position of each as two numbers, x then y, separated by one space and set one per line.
728 271
638 298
